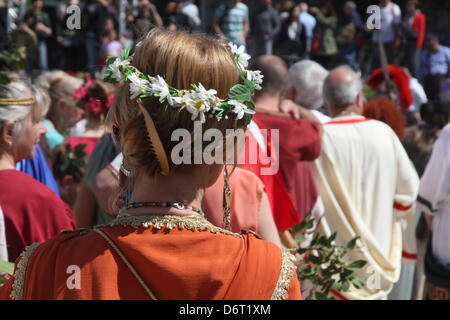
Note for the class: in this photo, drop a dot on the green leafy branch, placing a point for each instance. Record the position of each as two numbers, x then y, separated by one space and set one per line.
11 60
325 264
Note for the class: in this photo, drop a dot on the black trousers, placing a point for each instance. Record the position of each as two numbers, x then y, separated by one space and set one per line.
432 86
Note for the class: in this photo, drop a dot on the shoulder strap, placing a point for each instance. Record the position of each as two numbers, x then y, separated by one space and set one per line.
127 262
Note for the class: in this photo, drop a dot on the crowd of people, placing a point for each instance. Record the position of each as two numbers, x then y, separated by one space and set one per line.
90 177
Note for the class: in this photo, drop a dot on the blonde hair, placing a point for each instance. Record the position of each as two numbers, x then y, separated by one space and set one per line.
182 59
59 85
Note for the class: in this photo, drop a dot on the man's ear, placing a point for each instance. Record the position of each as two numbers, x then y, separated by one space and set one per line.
6 134
290 93
360 103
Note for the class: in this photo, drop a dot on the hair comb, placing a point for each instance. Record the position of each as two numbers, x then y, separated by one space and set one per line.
155 141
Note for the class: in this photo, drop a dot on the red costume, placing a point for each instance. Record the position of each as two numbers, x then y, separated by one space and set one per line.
32 212
299 143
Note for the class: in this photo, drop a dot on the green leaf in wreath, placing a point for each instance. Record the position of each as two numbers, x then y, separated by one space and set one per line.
241 93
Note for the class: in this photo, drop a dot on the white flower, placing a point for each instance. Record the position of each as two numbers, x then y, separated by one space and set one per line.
215 103
240 56
159 87
138 86
115 67
182 101
240 109
256 77
207 94
198 108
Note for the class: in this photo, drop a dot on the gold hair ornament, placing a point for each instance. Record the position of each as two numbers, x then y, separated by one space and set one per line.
27 101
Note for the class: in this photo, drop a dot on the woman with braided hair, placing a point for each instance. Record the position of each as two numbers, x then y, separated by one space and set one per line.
173 79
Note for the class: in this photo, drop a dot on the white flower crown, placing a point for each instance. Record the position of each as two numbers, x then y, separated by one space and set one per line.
197 101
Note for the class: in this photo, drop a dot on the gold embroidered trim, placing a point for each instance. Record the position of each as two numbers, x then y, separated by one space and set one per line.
286 274
192 222
19 276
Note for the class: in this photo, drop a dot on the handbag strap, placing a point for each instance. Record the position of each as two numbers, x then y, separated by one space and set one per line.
127 262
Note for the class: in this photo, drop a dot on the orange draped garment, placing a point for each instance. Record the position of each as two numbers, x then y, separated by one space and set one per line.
177 257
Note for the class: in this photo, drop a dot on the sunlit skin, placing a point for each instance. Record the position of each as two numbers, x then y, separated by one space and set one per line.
68 114
16 147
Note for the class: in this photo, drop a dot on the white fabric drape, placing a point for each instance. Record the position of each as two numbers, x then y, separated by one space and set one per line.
368 186
434 195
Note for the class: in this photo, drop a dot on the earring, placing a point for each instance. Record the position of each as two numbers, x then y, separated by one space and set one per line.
226 201
126 173
116 130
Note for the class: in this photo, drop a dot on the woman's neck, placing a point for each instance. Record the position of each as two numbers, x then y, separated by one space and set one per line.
268 103
7 161
188 189
94 128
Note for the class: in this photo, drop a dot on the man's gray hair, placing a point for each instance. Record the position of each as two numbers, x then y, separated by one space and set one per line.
346 93
307 78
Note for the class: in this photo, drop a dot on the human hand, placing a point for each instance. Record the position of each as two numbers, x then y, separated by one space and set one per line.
40 26
290 107
152 7
429 220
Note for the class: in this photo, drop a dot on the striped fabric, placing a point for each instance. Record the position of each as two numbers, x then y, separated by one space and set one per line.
232 20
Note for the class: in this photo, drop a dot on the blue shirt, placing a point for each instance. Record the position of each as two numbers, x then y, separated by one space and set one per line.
54 138
309 22
37 168
435 63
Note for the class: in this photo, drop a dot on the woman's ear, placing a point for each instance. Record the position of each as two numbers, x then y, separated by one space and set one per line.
67 180
6 134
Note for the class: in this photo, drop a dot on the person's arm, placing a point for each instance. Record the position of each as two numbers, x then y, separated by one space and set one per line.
330 22
216 23
447 61
423 67
398 25
435 181
357 21
44 26
421 22
276 24
85 207
288 240
287 106
246 30
266 225
156 17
